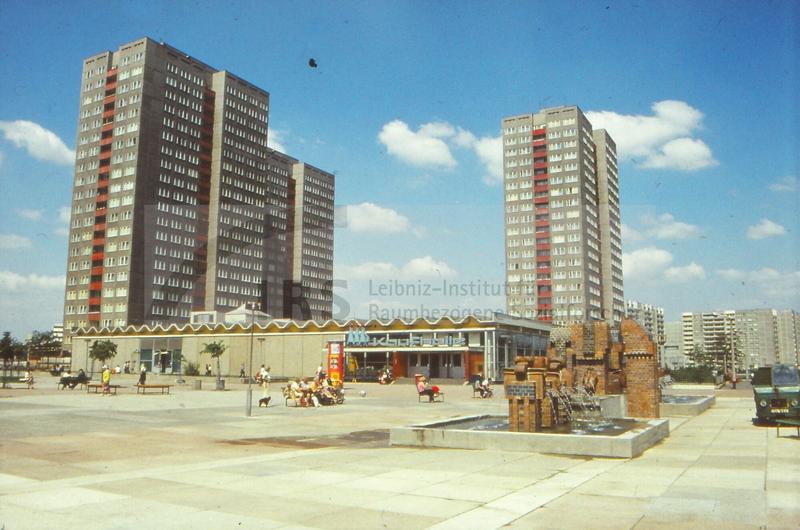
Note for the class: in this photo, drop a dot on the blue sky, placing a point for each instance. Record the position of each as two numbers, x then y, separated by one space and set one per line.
405 108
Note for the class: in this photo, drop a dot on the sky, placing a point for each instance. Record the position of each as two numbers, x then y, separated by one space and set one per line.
404 108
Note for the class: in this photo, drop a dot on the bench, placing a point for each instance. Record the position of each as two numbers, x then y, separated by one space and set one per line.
16 379
143 388
97 387
788 422
438 397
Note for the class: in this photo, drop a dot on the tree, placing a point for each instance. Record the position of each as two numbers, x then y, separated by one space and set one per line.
10 348
700 357
102 350
42 344
215 349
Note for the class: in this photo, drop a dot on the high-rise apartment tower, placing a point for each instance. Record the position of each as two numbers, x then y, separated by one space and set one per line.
179 205
563 237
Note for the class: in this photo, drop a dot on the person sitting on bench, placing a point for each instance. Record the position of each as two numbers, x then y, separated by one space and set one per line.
423 390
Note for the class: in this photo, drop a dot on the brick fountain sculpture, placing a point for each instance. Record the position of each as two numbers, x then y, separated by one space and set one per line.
583 361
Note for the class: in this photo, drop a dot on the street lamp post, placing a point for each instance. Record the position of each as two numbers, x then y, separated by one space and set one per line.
86 364
248 411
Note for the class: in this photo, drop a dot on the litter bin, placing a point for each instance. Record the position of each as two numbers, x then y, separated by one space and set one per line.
198 384
221 384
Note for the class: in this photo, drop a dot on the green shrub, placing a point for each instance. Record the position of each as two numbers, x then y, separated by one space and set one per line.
192 369
692 374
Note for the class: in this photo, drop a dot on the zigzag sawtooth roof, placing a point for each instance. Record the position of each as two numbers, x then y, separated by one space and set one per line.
282 325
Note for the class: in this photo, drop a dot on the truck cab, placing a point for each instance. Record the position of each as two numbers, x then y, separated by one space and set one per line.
776 390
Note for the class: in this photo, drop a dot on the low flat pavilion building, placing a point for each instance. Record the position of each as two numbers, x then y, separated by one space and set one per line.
444 348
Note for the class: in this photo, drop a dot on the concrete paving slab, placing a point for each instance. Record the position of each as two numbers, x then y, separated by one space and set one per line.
195 458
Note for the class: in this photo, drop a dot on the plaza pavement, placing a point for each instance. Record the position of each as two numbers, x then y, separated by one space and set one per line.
193 460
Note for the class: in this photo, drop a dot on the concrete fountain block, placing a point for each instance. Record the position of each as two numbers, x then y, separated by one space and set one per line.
443 434
693 408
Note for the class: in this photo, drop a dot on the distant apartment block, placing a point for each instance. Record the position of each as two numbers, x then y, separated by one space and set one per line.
760 336
562 218
179 205
673 355
651 318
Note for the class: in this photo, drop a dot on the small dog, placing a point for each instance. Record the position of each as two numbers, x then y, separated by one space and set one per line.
264 401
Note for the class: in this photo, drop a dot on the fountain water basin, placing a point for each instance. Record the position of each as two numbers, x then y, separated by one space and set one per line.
678 405
616 438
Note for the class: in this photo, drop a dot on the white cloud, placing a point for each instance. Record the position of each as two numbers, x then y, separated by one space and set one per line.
686 154
630 234
14 242
29 214
371 218
275 140
783 287
426 267
437 129
11 281
63 222
422 148
368 270
665 226
732 274
417 268
663 140
690 272
764 229
38 142
646 262
784 185
430 146
490 151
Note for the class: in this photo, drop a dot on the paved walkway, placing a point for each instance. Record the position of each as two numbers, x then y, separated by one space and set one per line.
193 460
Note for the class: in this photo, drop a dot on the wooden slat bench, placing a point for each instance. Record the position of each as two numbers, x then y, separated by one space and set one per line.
98 387
142 389
788 422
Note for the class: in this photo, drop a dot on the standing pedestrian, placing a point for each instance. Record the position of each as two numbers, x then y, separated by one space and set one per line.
264 377
106 380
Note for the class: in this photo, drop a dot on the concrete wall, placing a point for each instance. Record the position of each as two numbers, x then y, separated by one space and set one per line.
288 355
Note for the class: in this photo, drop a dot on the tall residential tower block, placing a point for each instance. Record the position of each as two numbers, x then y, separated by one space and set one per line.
563 234
178 203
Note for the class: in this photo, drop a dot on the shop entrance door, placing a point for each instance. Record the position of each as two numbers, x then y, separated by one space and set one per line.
434 361
162 362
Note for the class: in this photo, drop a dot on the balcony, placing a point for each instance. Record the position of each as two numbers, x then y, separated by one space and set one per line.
109 100
98 256
108 114
97 271
106 141
99 240
543 223
543 246
105 155
94 301
541 189
541 200
108 126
